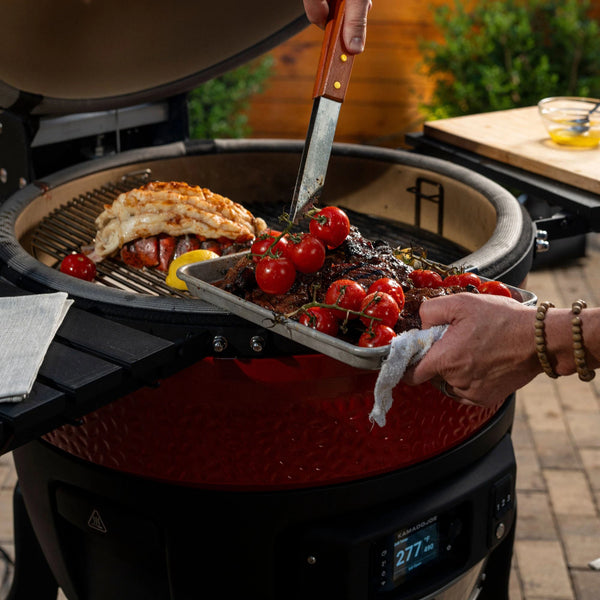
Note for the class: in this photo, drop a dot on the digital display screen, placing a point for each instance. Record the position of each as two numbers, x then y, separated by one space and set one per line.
415 546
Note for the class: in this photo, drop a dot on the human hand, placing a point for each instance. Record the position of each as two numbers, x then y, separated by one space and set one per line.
355 21
488 351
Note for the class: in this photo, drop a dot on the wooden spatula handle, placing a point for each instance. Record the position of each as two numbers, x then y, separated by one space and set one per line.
335 64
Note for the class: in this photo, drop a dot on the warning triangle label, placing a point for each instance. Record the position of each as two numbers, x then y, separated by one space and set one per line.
95 522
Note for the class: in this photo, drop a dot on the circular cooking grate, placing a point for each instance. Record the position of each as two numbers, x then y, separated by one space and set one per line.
72 227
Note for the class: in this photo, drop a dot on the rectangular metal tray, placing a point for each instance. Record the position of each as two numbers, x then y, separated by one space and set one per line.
199 278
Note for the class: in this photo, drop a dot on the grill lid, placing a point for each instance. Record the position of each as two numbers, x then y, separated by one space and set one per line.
68 56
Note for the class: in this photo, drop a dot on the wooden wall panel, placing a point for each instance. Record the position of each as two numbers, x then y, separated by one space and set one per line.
385 90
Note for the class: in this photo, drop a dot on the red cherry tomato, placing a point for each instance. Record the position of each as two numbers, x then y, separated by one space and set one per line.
307 253
379 307
275 275
469 279
320 318
348 295
262 243
79 265
423 278
389 286
378 335
462 280
331 225
497 288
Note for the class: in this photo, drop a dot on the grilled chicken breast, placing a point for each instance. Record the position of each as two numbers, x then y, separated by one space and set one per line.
173 208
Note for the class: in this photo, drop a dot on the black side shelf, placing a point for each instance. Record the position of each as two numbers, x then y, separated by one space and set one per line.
91 362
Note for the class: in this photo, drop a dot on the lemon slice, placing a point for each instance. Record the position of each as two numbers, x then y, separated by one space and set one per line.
185 259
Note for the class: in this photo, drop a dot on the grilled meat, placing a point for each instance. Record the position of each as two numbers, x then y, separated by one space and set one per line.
143 252
409 317
358 259
172 208
159 251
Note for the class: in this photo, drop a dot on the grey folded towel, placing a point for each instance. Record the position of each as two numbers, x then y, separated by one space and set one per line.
27 326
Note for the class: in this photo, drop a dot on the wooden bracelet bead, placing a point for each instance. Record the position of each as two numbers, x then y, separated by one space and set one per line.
584 373
540 339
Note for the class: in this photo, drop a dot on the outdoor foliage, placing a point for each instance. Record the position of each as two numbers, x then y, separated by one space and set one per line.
501 54
216 108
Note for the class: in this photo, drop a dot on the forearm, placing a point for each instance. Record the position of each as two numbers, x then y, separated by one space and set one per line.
489 349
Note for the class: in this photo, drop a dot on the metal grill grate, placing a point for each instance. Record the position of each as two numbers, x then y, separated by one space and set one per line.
395 233
72 226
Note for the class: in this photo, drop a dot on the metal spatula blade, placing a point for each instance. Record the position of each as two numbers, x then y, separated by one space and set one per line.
333 73
315 156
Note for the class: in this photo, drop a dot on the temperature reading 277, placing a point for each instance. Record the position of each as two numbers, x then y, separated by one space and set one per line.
414 548
413 551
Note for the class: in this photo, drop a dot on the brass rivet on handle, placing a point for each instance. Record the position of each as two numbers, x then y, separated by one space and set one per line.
337 85
343 58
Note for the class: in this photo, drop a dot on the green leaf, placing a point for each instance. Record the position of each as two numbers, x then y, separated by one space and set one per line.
216 109
502 54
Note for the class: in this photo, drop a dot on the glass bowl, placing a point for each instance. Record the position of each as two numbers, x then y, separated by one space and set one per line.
572 121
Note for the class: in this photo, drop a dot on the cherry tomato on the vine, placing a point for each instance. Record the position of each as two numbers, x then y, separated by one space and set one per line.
378 335
79 265
348 295
307 253
462 280
425 278
262 243
496 288
331 225
320 318
379 307
275 275
391 287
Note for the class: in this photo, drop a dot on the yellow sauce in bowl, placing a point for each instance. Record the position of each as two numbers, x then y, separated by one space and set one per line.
567 137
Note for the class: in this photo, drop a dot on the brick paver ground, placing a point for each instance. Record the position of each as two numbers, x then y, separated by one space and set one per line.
557 443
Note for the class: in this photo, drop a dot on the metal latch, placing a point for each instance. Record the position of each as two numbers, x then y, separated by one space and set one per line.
562 225
541 241
15 154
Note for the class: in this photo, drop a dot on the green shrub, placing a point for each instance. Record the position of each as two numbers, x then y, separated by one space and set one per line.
216 108
501 54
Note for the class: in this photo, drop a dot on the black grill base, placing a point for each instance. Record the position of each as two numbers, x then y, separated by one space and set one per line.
109 535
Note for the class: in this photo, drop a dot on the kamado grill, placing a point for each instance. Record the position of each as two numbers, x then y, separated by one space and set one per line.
169 446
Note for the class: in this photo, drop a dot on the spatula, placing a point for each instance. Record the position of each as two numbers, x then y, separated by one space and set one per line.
333 73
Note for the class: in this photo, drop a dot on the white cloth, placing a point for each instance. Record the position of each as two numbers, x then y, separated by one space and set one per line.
407 349
27 326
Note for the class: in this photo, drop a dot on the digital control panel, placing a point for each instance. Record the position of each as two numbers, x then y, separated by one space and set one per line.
410 546
412 550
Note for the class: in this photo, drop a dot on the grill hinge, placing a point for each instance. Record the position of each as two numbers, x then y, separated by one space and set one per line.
15 153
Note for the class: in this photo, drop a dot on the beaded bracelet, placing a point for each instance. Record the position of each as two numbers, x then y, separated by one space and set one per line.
540 339
584 373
